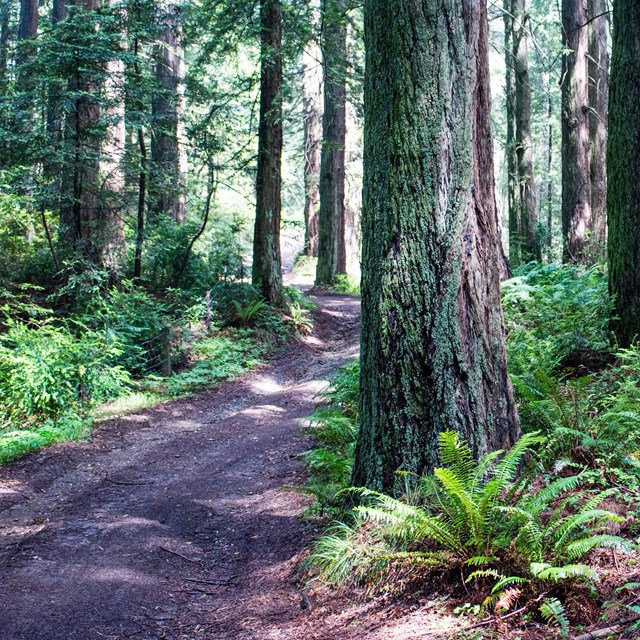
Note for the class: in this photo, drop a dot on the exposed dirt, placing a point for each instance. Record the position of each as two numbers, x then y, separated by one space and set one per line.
180 521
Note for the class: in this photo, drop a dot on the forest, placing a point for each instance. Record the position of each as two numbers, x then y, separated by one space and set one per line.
319 319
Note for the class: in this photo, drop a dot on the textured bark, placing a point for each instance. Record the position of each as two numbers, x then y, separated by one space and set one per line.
27 31
79 226
91 221
168 154
5 13
112 179
312 110
433 355
332 257
623 197
598 114
577 218
524 149
267 264
516 244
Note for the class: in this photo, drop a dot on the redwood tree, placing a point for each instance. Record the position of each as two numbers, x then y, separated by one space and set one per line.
332 255
577 218
623 195
598 115
433 354
267 264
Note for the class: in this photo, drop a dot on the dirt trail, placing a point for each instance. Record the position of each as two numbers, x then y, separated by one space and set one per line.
177 522
180 522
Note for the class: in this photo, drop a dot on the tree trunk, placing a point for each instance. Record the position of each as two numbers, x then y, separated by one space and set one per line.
598 113
577 218
27 31
267 265
433 355
312 110
516 243
332 256
168 190
5 14
623 150
112 179
524 148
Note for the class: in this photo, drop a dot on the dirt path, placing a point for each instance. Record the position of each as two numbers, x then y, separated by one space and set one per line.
177 522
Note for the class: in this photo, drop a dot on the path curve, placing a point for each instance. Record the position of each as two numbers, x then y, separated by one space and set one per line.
176 522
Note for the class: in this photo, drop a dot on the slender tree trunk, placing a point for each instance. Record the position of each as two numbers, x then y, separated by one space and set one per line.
112 178
27 31
577 218
312 110
516 244
267 264
598 114
549 167
524 147
79 213
433 355
167 143
5 14
332 256
623 151
142 194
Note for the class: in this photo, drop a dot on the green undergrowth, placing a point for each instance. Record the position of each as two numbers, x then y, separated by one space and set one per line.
59 373
529 541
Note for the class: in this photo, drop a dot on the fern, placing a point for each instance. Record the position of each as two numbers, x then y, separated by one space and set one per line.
552 611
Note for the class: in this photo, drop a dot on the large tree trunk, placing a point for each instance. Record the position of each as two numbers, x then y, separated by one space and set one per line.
168 154
332 255
5 14
267 264
433 355
598 114
623 197
577 218
524 148
312 113
27 31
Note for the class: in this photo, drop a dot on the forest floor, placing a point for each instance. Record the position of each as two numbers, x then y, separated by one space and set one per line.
182 522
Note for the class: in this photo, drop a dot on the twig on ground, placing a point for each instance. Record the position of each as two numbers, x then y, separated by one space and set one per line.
175 553
615 629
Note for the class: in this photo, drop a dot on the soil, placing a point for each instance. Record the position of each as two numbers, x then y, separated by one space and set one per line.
181 521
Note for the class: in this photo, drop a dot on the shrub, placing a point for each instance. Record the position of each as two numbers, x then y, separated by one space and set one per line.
47 371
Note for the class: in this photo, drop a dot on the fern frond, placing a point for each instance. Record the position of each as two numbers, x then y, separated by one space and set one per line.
579 548
552 611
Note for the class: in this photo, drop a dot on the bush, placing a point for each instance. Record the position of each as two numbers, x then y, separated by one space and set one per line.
47 371
481 518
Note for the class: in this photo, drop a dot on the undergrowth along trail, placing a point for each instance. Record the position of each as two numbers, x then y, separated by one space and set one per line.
178 521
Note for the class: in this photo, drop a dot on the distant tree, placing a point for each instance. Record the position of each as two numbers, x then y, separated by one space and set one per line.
312 113
267 264
623 150
577 215
168 152
523 215
433 355
332 256
598 115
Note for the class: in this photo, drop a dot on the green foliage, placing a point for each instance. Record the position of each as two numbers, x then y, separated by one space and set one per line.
482 516
334 427
552 611
557 318
48 370
346 284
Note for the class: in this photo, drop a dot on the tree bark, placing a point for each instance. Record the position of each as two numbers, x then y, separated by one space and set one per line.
168 153
332 256
524 148
5 14
577 217
516 243
267 264
598 114
433 355
312 113
623 192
